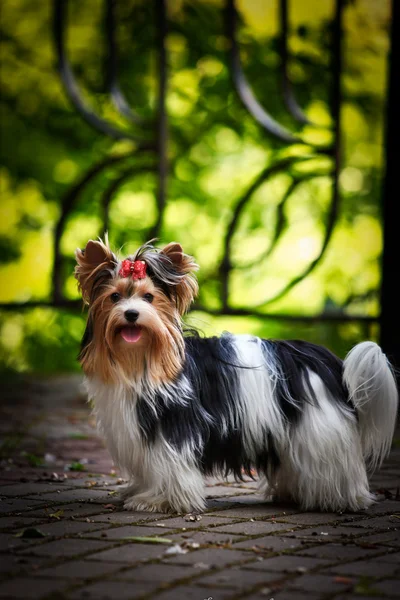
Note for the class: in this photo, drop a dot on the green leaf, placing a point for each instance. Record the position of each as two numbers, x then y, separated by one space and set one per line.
148 540
33 460
30 532
78 436
76 466
57 515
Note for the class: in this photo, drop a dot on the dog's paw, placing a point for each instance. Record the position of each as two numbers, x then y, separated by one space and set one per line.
136 504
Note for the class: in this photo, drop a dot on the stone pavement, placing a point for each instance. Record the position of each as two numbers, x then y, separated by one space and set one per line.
63 534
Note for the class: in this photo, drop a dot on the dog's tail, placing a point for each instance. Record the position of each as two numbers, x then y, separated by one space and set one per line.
372 388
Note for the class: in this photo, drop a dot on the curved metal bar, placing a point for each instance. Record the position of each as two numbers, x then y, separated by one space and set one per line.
115 185
288 94
117 96
336 112
67 204
162 117
71 86
324 317
280 223
226 264
244 90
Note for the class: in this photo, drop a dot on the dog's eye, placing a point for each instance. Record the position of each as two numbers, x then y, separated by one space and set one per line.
148 297
115 297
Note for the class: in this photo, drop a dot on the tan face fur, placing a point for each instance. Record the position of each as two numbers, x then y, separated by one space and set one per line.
117 350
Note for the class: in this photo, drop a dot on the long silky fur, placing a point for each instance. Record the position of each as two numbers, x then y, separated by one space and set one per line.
173 408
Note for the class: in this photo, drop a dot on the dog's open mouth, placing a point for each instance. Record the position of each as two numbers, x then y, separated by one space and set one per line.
131 333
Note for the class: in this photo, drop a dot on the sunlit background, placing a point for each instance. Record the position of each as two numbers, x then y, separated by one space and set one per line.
216 150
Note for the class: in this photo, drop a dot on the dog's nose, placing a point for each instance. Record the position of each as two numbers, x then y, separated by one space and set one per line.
131 315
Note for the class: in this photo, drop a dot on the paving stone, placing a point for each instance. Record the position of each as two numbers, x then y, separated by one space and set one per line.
67 527
75 495
368 568
390 538
66 547
212 557
270 543
104 590
225 491
27 489
12 522
244 498
120 533
7 563
205 537
79 569
125 518
384 522
8 541
341 552
290 563
26 564
350 596
395 558
388 506
390 587
238 579
180 523
218 505
269 594
327 532
13 505
252 510
130 553
92 560
26 587
254 528
77 510
312 518
322 583
185 592
159 573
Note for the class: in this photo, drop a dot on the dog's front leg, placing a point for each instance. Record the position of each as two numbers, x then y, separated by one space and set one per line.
170 482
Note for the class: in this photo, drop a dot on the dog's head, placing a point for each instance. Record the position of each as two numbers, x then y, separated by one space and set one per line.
135 310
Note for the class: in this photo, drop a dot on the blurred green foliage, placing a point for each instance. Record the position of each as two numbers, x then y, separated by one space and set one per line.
216 150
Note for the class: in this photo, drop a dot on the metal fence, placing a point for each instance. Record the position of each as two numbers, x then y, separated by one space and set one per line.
153 141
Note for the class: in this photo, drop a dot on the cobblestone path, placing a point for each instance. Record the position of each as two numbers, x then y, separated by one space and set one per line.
63 534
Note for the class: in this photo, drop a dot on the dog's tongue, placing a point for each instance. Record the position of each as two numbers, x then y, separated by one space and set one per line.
131 334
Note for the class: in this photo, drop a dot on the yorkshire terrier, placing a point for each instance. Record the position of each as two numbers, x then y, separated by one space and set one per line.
174 407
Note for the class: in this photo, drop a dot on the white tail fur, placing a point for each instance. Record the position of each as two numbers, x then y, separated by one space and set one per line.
372 388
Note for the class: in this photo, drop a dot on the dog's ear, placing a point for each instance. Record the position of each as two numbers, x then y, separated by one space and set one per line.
184 266
95 265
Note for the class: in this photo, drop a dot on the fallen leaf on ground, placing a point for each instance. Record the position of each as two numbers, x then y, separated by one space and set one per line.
57 515
75 466
30 532
147 540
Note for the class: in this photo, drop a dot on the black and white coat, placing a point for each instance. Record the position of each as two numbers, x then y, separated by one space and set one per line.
310 424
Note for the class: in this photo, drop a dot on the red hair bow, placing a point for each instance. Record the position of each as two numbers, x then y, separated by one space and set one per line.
134 268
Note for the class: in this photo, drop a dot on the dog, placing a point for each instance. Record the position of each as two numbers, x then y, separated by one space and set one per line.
174 407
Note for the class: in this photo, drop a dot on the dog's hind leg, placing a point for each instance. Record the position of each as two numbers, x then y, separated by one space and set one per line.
323 468
326 463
